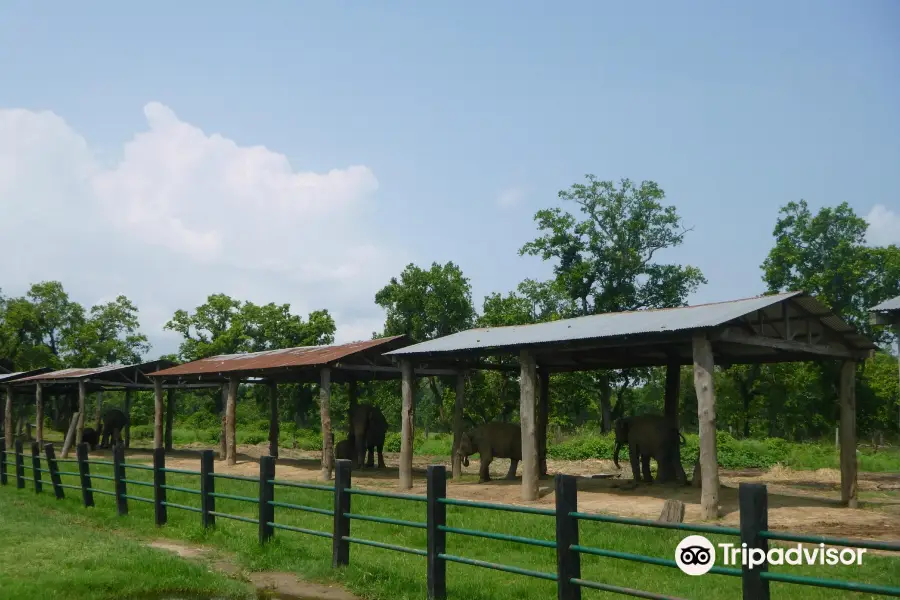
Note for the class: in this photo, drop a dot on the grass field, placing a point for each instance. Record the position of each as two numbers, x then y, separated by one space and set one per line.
49 553
383 574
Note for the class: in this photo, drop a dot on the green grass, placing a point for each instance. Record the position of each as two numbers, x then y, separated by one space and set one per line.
383 574
62 554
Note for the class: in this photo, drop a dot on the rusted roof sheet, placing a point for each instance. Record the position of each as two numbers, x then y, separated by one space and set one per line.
628 324
19 375
77 374
303 356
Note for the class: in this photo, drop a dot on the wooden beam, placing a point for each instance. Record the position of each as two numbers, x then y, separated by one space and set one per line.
542 419
79 430
325 416
98 408
737 336
407 423
672 391
527 383
458 407
231 422
158 408
170 416
422 372
223 433
8 417
39 413
273 419
706 415
848 434
127 432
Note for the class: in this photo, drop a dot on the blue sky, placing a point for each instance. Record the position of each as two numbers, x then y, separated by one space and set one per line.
470 117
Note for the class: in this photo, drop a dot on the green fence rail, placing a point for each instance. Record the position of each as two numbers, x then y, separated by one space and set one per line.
569 552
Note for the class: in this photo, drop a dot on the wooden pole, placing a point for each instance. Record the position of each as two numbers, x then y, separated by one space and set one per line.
70 436
79 431
273 419
170 416
39 413
157 413
127 432
458 407
673 391
527 384
848 434
8 417
98 411
706 414
407 422
230 425
223 434
325 416
543 418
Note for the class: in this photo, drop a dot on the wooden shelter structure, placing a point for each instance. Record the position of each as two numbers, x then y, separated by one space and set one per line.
77 381
7 378
785 327
887 314
325 365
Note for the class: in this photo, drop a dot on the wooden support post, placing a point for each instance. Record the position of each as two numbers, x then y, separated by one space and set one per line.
8 417
157 413
84 472
36 467
407 422
39 413
207 488
340 547
568 562
223 434
127 433
79 431
754 506
672 391
3 462
170 416
119 479
266 497
70 435
543 418
98 411
706 415
273 419
159 485
527 383
848 434
325 416
230 422
458 407
20 466
437 538
53 467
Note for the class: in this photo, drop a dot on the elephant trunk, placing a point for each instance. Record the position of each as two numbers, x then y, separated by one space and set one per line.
616 454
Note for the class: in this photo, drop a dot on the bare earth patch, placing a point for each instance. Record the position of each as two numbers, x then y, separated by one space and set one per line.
799 501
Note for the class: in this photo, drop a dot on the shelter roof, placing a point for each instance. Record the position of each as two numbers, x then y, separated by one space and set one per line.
18 375
781 327
888 305
105 377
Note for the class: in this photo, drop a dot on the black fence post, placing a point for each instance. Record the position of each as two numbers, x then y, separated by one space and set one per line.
437 537
266 497
3 480
159 480
53 467
340 548
36 467
119 479
20 466
568 561
84 469
207 488
754 505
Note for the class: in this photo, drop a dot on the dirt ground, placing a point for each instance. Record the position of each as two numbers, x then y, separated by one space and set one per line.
799 501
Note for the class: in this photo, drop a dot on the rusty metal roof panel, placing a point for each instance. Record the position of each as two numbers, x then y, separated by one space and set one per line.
19 375
641 322
888 305
303 356
76 374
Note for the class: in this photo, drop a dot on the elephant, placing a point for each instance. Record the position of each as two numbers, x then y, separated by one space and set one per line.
90 437
344 449
114 421
651 436
490 441
367 430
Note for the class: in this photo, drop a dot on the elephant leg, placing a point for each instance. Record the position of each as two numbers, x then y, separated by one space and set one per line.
370 460
645 468
513 463
634 455
381 464
484 473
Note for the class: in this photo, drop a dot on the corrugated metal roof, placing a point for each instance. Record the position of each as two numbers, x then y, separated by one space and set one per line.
19 375
892 304
641 322
303 356
76 374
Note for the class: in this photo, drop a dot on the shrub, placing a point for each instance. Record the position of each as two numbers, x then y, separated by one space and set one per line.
252 437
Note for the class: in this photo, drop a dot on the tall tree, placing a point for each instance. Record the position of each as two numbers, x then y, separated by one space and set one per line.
110 335
608 260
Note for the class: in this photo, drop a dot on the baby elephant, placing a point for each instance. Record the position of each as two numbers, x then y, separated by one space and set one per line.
344 449
490 441
90 437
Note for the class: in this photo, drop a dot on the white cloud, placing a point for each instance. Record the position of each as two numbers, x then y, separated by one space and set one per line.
884 226
182 215
510 197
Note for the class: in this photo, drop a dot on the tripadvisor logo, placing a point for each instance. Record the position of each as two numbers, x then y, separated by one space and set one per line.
696 555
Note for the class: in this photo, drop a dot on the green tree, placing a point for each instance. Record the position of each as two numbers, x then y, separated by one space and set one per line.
608 260
110 335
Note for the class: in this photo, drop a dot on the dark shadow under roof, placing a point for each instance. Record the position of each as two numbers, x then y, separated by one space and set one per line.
786 327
